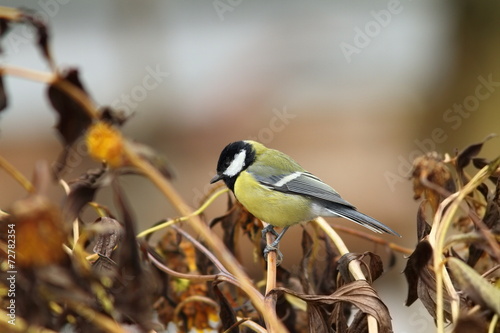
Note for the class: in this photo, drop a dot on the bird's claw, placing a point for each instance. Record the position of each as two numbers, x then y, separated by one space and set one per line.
272 247
269 228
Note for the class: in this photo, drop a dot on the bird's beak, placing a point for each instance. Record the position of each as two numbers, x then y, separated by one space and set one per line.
216 179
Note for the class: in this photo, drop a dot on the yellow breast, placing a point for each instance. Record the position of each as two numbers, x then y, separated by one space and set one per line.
276 208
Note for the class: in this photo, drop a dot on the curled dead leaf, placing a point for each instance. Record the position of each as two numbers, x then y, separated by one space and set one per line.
431 178
73 118
358 293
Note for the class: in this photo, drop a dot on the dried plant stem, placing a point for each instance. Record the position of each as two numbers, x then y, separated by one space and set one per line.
250 324
493 324
354 266
183 218
49 78
270 300
271 264
10 169
210 238
437 238
29 74
187 276
10 14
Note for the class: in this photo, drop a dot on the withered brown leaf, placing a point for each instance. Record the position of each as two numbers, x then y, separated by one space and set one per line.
42 36
374 268
431 178
83 189
417 261
226 311
358 293
469 152
73 119
327 281
307 281
228 221
423 228
134 290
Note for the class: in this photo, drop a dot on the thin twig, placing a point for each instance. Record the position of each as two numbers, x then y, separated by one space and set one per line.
203 249
493 323
271 264
17 175
250 324
183 218
192 277
52 79
270 300
29 74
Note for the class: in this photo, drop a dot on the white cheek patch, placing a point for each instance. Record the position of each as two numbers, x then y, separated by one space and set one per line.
237 164
287 179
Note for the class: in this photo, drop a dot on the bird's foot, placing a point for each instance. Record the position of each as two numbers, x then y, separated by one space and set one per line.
269 228
273 247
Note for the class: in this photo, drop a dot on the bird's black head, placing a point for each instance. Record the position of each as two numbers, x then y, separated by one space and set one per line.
234 158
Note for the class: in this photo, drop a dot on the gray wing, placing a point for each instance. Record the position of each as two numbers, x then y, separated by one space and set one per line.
302 183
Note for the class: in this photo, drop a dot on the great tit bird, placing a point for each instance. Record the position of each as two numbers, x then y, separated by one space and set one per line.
277 190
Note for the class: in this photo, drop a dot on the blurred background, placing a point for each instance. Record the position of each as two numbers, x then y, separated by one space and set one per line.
353 91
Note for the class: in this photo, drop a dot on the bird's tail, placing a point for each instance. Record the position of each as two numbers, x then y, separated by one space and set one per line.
360 218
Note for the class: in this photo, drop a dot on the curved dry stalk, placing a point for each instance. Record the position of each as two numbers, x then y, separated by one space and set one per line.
215 243
29 74
50 78
354 265
187 276
18 176
249 324
194 298
183 218
203 250
493 323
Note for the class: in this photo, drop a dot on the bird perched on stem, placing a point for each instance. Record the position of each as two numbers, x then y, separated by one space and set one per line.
277 190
